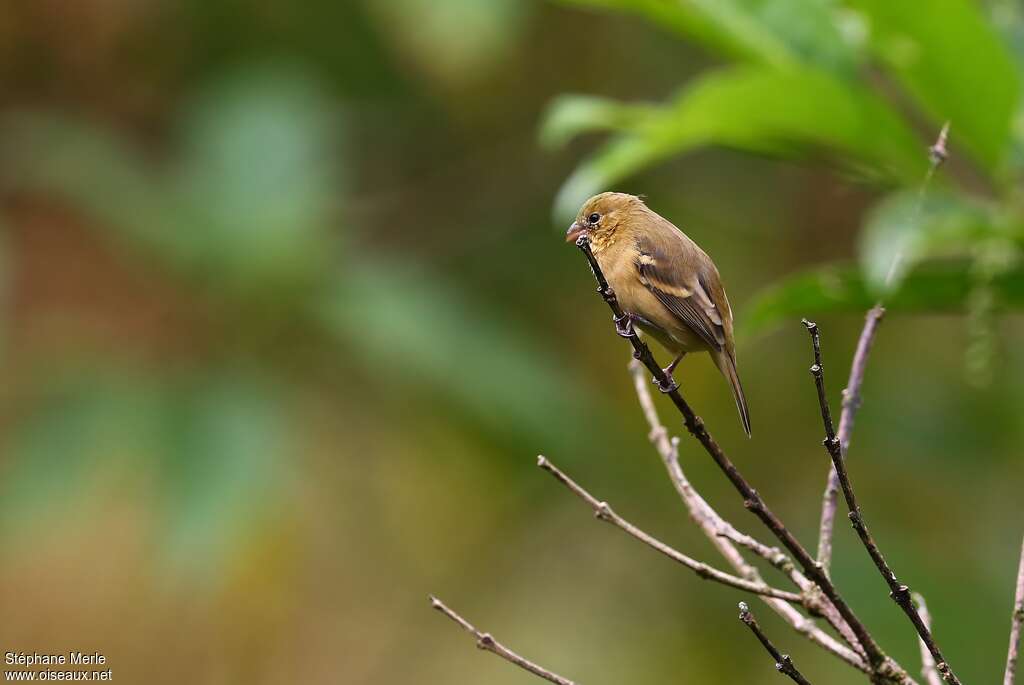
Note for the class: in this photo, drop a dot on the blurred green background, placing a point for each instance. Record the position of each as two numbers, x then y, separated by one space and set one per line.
287 317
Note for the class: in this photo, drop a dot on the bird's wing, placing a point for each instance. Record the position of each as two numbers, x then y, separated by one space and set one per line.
676 280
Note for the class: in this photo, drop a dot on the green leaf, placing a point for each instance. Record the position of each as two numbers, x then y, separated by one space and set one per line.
457 41
245 203
906 228
785 113
413 327
255 179
940 286
573 115
228 443
79 427
954 63
780 33
217 442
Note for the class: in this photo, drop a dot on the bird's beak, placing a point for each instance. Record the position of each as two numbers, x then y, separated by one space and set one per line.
574 232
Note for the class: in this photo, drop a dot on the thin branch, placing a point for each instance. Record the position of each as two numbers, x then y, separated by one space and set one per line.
928 670
723 536
851 403
782 661
773 555
818 371
706 518
938 153
752 500
1016 624
605 513
900 593
486 642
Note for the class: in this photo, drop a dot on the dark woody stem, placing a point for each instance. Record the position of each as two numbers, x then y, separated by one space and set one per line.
783 663
751 499
900 593
851 403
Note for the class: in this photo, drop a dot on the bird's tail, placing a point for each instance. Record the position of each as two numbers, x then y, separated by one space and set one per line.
727 365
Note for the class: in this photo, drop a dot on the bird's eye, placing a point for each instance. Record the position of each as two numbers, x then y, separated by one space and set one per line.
593 218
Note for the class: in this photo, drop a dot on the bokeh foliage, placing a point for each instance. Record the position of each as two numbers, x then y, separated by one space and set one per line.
285 321
862 85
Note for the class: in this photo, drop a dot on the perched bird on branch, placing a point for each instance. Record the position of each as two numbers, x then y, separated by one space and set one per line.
667 286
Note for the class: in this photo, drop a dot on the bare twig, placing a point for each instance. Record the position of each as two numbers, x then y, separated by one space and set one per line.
706 518
605 513
1016 624
851 403
937 155
900 593
928 670
782 661
724 537
818 371
881 664
486 642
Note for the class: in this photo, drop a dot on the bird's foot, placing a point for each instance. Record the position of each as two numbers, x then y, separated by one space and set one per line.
667 383
624 325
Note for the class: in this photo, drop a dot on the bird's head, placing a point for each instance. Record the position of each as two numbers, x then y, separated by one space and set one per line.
602 215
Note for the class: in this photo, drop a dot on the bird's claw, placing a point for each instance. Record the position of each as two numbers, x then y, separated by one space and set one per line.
624 325
671 386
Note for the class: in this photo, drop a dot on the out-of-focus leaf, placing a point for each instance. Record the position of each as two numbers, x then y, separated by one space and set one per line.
573 115
455 40
92 169
256 177
408 324
246 203
81 427
784 113
940 286
228 442
954 63
220 445
906 228
779 33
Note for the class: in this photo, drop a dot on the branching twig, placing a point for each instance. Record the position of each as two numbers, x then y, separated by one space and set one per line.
880 663
782 661
851 403
486 642
900 593
1016 624
724 537
605 513
928 670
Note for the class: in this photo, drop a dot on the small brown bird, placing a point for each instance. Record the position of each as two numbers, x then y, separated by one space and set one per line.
667 285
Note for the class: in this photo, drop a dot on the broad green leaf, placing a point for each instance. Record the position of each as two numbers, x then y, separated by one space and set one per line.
415 328
780 33
907 228
573 115
954 63
458 41
228 440
79 427
785 113
218 445
1008 19
246 201
940 286
255 177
